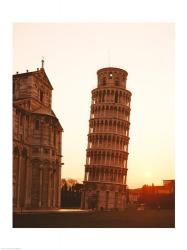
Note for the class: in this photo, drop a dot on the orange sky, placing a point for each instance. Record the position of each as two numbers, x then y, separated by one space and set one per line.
73 53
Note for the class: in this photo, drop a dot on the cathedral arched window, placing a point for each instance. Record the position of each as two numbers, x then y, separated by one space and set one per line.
37 124
21 120
41 95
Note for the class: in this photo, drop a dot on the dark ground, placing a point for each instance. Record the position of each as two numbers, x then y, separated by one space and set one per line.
131 218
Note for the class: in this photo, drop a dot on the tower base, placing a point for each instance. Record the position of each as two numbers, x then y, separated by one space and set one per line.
103 197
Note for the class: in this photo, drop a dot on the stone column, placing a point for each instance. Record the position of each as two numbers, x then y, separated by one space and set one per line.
54 194
40 192
104 175
27 183
49 187
59 180
15 177
18 182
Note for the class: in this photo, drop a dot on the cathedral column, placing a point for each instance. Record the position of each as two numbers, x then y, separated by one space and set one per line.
49 187
15 177
54 196
40 191
59 183
18 180
27 182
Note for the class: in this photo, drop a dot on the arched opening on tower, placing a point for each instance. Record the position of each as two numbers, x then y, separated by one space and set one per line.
103 99
117 81
116 97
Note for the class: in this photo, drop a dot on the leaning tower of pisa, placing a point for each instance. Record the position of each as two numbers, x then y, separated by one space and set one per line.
108 138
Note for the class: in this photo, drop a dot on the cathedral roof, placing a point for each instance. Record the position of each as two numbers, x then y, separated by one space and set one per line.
39 74
44 111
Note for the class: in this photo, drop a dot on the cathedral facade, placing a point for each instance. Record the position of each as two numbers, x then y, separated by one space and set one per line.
108 139
36 143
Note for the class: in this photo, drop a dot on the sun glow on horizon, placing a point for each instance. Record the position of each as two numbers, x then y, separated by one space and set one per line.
147 174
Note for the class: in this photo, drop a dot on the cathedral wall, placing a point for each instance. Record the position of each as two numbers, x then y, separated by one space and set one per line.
36 145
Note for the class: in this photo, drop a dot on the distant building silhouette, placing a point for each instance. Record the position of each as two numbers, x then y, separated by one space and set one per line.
154 196
108 138
36 143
